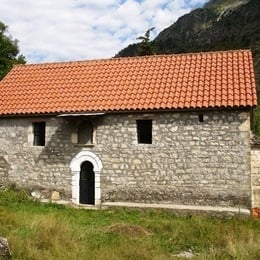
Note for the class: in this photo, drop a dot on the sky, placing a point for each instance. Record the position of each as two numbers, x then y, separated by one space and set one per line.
69 30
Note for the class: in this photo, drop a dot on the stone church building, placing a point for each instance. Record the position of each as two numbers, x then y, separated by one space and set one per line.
168 129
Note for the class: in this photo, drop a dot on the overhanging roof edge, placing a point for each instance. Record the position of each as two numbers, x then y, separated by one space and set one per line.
80 114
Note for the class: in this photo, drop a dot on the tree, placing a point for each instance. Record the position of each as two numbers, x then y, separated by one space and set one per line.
8 51
146 47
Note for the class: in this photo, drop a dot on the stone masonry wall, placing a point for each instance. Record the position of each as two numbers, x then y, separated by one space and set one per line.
255 171
3 171
36 166
189 162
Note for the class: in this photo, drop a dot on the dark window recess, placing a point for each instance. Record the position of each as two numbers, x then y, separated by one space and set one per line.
39 133
144 131
85 133
201 118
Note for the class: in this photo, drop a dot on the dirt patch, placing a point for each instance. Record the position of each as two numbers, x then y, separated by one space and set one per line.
128 230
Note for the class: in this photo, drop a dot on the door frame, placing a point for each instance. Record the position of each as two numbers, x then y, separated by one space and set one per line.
75 167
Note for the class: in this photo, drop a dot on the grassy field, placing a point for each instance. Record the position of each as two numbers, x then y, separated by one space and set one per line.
50 231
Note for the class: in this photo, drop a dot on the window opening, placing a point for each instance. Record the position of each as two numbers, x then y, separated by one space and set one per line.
85 133
144 131
39 133
201 118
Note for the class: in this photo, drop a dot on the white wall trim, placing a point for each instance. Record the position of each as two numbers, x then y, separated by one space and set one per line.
75 169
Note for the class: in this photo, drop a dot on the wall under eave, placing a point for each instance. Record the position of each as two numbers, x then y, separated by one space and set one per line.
189 162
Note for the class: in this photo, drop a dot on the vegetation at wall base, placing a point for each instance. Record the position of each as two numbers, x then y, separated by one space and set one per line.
50 231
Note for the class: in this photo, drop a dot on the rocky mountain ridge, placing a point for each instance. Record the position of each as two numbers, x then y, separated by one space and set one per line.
219 25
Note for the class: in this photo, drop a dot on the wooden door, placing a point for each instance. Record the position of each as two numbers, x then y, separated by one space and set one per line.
87 184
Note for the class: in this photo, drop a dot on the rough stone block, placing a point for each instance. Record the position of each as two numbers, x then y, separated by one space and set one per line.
55 195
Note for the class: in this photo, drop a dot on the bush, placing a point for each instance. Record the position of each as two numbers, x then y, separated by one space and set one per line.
256 121
13 195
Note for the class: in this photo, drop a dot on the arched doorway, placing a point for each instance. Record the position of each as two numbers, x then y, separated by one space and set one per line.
84 165
87 184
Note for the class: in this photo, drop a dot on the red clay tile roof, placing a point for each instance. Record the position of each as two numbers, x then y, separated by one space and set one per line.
186 81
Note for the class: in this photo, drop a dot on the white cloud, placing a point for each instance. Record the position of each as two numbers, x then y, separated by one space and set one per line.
63 30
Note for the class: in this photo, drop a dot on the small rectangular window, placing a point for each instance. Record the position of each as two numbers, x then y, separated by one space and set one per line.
144 131
39 133
85 133
201 118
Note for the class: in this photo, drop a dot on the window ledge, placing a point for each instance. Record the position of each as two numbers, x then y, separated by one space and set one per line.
84 145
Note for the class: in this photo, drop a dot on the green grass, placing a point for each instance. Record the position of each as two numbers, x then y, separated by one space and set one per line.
50 231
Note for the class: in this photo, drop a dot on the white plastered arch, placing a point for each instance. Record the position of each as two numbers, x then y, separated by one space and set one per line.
75 167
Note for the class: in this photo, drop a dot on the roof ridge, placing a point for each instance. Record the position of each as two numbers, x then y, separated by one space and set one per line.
131 57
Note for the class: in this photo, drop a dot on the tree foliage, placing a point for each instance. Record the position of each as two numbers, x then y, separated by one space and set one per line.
146 46
9 51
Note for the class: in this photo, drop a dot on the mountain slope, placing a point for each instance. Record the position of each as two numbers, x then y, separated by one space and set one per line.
219 25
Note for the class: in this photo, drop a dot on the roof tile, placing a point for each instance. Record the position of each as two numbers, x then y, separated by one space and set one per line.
210 79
